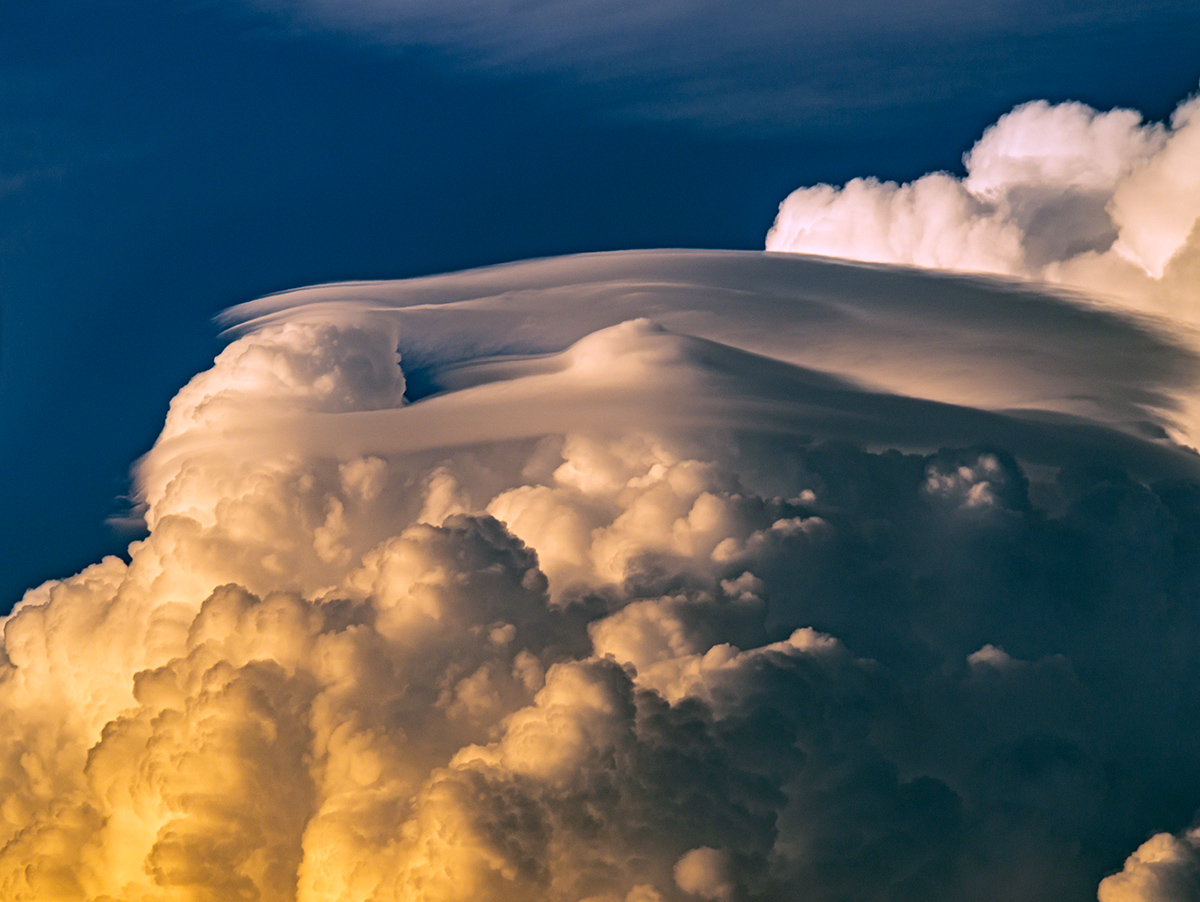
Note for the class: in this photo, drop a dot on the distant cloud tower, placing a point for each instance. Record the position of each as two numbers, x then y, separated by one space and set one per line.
1094 201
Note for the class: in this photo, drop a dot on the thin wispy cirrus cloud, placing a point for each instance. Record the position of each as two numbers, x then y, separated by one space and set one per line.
768 65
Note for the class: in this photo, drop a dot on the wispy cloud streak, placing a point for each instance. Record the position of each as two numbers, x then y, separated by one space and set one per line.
775 64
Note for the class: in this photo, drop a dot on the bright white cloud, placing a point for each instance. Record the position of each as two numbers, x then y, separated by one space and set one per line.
1099 202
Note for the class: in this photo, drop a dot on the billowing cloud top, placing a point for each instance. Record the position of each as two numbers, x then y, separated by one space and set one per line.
1062 193
646 577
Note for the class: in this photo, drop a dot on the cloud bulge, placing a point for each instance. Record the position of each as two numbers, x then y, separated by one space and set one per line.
651 577
1097 201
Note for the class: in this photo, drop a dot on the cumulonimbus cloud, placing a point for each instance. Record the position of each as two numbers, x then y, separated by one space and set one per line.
639 577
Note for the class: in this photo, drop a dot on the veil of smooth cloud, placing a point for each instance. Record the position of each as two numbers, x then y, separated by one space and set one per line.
639 577
584 31
768 64
1096 201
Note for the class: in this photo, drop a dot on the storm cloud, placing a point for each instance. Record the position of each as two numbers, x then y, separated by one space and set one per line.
642 577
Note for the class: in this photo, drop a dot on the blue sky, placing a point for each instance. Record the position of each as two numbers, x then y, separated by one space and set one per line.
162 161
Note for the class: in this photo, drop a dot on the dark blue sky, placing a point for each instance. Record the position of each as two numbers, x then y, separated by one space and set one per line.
162 160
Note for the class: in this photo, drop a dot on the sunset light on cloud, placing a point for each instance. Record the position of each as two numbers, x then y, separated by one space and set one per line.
865 567
1098 201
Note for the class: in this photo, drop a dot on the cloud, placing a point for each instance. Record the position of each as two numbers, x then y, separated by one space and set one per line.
704 872
1163 868
1100 202
770 64
636 577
